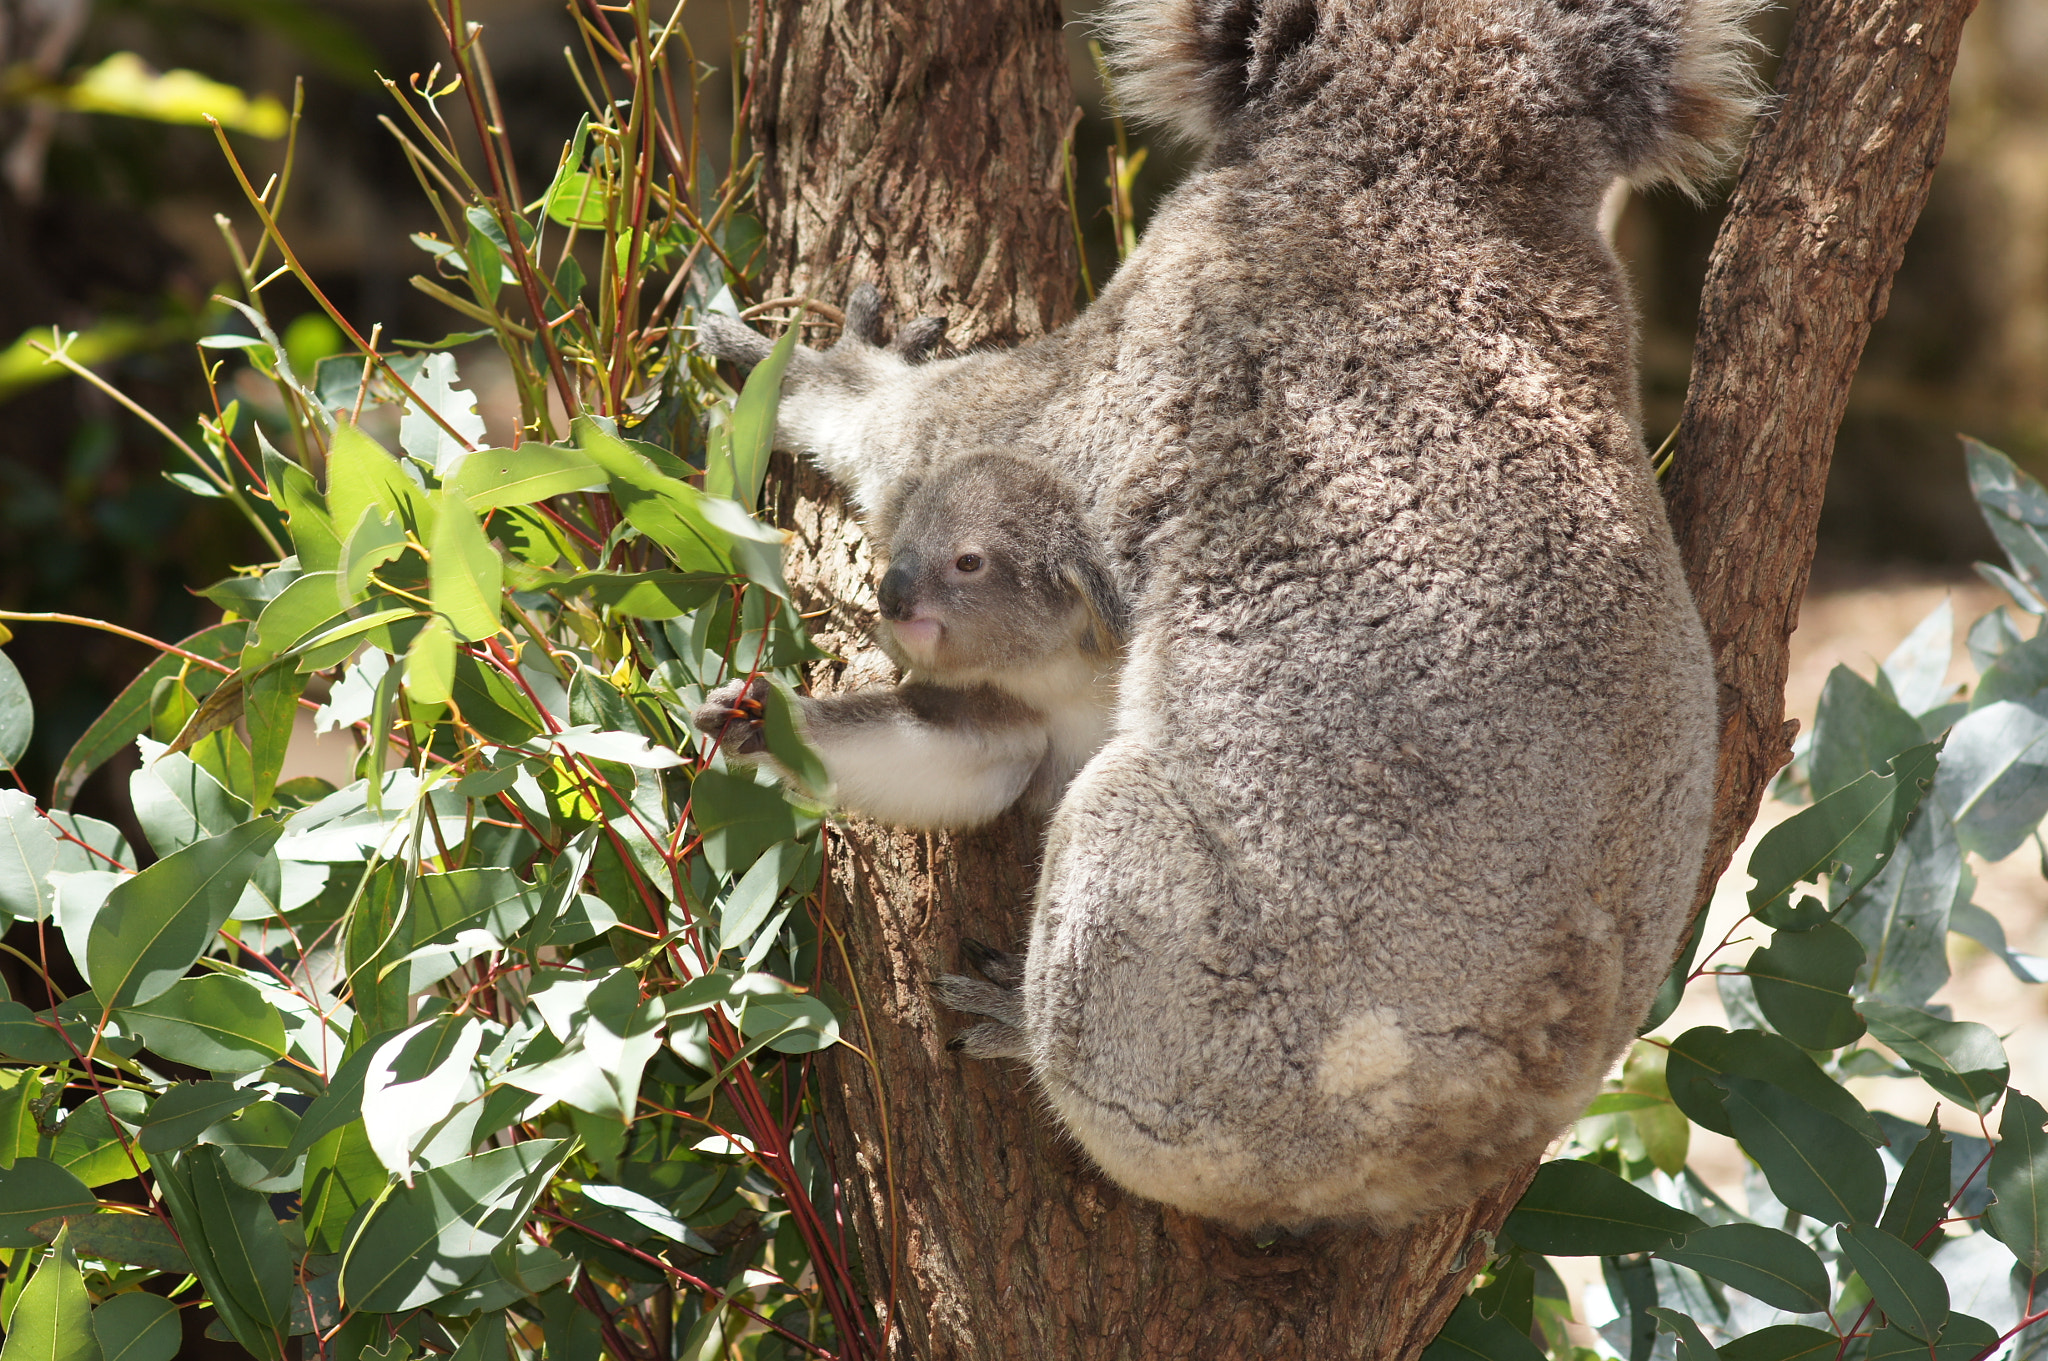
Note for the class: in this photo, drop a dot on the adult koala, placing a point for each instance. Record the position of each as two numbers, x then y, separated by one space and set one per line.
1407 793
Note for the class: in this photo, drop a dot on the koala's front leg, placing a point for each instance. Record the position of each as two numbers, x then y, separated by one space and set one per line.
998 995
914 755
848 407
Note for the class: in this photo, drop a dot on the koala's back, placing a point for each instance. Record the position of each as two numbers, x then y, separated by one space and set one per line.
1414 761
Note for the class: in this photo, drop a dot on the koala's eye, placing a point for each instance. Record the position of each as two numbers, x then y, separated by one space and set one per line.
968 562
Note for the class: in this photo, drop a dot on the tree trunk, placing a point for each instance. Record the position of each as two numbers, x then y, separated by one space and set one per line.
918 145
1834 180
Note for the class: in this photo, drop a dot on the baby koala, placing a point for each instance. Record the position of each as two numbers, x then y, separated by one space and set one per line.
999 606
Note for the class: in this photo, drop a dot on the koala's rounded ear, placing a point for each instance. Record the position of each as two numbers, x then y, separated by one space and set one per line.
863 317
1109 620
916 341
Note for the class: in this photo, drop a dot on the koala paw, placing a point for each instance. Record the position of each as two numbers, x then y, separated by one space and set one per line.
730 339
732 714
997 995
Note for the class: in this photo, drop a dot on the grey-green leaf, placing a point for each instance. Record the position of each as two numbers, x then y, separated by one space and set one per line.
1783 1342
1993 780
1857 729
1920 1196
1470 1334
178 1116
2019 1178
17 715
137 1326
1758 1260
215 1022
156 924
438 1234
1849 834
1815 1164
1580 1209
1960 1059
1704 1053
1904 1284
1801 981
33 1190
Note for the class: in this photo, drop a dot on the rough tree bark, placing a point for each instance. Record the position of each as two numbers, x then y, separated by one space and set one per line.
917 145
1830 189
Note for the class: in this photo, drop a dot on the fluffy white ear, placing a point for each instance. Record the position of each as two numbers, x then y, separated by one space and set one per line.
1713 95
1182 65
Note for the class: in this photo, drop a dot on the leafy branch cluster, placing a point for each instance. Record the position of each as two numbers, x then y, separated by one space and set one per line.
501 1048
1862 1228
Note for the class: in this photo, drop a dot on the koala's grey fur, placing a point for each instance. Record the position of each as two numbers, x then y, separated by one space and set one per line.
1413 756
1009 666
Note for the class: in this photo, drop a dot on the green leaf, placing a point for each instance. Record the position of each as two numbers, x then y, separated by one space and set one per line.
134 1239
489 478
1705 1053
185 1111
788 1022
92 1148
1994 776
215 1022
17 715
752 437
138 1326
342 1176
156 924
1580 1209
313 532
1692 1343
666 510
1904 1284
1858 729
580 199
270 709
465 577
492 704
52 1321
375 539
2019 1178
430 664
361 473
1920 1198
740 819
756 894
1960 1059
300 610
786 739
1784 1342
1469 1334
1962 1339
237 1249
1815 1164
33 1190
177 801
1673 988
438 1234
1849 834
1765 1262
1801 980
28 852
646 595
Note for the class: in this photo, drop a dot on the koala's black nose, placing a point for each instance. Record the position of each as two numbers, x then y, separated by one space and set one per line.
894 591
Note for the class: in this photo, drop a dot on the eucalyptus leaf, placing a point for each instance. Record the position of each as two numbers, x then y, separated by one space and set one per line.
1960 1059
1580 1209
52 1320
1919 1198
1815 1164
34 1190
214 1021
1801 980
1469 1334
138 1326
2018 1217
1911 1292
1849 834
157 923
17 715
1993 780
1757 1260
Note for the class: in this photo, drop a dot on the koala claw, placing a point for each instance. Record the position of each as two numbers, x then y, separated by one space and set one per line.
1000 967
733 713
991 1040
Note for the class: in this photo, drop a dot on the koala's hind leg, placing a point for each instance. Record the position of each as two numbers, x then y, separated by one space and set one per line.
995 995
